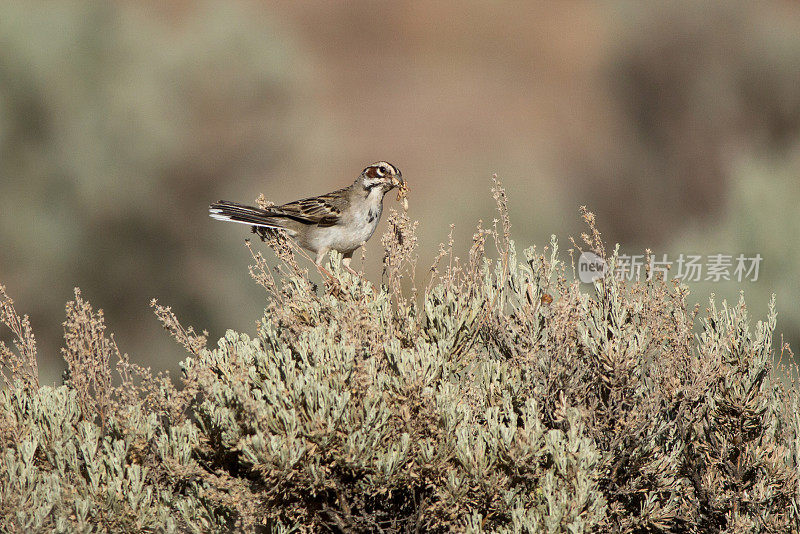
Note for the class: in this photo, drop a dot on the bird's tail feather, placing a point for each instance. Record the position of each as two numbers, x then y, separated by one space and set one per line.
239 213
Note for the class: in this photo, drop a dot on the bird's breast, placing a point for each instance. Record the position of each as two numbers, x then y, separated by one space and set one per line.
364 224
361 226
349 233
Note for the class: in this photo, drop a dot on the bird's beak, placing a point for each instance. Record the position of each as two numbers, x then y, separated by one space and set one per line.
397 181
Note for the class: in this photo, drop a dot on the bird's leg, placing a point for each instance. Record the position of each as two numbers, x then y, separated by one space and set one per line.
332 285
346 258
318 262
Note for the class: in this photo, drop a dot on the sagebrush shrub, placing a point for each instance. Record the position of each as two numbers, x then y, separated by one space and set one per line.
501 398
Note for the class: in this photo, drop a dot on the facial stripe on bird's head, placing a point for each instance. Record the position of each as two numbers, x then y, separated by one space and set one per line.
375 171
389 168
380 169
380 173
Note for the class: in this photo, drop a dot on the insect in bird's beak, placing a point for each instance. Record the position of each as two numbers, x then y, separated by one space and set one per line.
402 190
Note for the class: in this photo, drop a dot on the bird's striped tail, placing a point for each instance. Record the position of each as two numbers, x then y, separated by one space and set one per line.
239 213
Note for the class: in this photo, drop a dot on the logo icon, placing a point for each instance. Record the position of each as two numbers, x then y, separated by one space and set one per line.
591 267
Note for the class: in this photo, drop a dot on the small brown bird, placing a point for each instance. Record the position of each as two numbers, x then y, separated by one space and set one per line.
341 220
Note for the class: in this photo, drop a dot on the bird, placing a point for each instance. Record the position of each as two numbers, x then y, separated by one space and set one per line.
341 220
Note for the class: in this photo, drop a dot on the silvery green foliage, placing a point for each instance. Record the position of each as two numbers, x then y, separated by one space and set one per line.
349 432
64 473
487 407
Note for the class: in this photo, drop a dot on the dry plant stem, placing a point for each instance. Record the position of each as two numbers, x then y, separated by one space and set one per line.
187 337
443 252
399 243
502 245
22 364
88 353
594 240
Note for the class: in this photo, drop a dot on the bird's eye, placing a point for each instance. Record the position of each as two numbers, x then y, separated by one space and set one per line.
382 170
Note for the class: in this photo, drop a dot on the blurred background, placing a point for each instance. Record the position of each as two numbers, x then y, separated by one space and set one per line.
677 123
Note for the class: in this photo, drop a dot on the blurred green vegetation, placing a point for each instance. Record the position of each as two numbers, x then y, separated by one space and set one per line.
714 110
116 129
677 123
762 216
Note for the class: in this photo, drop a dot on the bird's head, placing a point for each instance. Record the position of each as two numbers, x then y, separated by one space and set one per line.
381 175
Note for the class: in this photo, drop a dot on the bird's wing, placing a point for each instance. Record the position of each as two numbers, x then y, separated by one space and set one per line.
323 210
